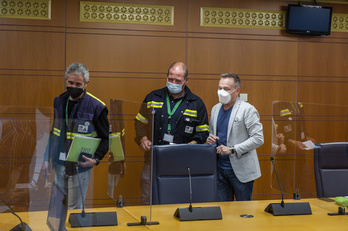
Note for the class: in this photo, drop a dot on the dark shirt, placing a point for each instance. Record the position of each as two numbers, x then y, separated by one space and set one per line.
222 126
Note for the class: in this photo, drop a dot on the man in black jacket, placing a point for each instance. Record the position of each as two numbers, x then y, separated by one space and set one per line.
179 117
76 112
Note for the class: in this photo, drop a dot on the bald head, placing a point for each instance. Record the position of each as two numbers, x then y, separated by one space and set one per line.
177 66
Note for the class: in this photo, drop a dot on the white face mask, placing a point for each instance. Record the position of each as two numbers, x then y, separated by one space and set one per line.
174 88
224 96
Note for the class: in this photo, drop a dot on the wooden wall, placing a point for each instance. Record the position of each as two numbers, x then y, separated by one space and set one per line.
127 61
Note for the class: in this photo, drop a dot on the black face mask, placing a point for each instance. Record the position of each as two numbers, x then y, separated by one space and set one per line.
74 92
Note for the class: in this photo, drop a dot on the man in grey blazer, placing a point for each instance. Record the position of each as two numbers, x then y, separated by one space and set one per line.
236 129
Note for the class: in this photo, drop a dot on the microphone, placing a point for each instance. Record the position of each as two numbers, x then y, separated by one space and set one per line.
22 226
279 209
280 185
189 172
84 219
197 213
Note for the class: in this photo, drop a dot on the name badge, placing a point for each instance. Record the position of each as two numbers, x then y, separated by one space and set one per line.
168 137
62 156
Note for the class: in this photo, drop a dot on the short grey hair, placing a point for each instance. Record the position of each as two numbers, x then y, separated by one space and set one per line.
78 69
234 76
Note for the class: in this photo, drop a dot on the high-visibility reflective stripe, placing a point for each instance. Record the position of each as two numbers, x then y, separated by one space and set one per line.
70 135
202 128
154 104
189 112
123 132
56 131
95 98
285 112
142 119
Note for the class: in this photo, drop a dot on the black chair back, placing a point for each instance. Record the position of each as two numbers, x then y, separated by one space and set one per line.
170 181
331 169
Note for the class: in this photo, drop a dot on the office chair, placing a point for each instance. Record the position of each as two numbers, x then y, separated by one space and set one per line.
170 179
331 169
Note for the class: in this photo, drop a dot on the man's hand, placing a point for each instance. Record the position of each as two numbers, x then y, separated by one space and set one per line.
89 162
212 139
45 169
223 150
280 138
145 144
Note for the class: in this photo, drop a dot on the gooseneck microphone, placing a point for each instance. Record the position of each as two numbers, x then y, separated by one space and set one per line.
197 213
84 219
22 226
83 213
189 173
280 185
281 209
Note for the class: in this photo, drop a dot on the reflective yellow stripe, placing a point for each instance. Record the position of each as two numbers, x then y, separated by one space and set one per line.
56 131
70 135
123 132
189 112
202 128
142 119
95 98
154 104
285 112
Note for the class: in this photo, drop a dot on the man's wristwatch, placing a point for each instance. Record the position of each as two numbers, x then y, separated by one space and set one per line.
97 161
233 150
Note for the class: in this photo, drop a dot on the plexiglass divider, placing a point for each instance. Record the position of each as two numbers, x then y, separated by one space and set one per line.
296 128
24 132
28 183
129 180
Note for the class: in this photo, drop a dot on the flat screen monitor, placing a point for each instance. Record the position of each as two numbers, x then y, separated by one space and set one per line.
57 210
308 20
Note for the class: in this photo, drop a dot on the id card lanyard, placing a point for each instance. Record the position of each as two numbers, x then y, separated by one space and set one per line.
171 112
66 113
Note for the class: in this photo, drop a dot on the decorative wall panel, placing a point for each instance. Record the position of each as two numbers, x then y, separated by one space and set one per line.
126 13
248 18
339 22
26 9
244 18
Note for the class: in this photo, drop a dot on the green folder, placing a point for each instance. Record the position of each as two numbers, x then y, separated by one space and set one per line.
115 147
82 144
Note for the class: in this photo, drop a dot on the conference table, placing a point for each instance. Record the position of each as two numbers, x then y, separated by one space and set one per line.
319 220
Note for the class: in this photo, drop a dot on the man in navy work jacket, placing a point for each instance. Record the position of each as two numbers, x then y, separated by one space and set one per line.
76 112
179 117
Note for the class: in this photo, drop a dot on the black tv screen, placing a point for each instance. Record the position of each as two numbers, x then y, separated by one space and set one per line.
308 20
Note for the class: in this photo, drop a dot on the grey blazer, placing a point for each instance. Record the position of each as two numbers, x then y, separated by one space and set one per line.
245 134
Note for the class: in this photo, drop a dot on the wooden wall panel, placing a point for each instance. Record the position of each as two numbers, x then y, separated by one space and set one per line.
30 90
32 50
127 61
124 53
323 58
251 57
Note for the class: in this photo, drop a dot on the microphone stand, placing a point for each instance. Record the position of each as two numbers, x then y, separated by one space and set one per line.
280 209
84 219
22 226
197 213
